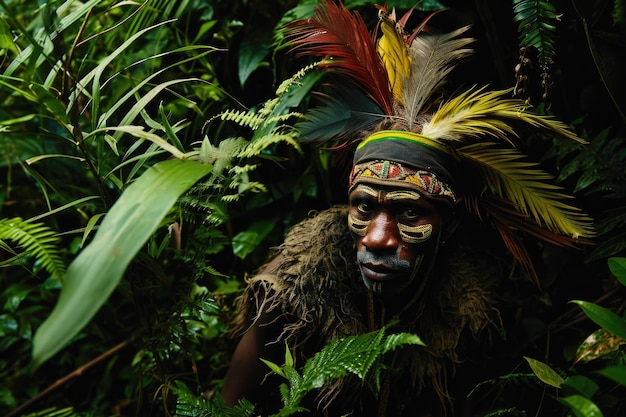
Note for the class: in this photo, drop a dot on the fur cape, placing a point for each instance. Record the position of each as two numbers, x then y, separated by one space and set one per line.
315 289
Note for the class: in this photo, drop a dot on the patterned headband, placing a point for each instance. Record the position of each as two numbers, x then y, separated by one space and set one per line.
404 159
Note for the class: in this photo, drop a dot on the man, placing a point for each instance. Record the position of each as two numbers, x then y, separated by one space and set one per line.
405 249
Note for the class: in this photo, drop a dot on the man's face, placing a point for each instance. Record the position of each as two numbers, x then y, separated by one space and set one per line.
397 232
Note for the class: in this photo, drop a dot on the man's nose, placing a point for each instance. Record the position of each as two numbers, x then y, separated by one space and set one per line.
382 234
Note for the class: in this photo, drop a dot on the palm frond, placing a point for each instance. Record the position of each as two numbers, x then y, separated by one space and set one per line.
342 38
510 177
37 240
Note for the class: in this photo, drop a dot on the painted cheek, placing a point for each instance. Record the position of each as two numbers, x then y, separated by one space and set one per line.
358 227
415 234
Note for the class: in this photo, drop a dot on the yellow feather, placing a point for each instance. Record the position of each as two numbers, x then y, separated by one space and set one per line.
477 113
508 176
394 54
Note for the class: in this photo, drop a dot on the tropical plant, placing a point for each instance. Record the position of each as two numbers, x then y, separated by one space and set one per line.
583 392
88 118
106 149
358 355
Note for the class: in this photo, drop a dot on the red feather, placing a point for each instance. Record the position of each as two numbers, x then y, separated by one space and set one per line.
342 37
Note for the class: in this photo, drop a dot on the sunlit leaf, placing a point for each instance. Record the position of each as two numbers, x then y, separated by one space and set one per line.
94 274
598 344
545 373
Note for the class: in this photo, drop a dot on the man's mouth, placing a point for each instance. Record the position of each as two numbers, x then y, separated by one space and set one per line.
379 272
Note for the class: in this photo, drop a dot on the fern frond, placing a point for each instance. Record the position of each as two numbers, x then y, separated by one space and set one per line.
295 79
256 147
357 355
508 176
190 405
37 240
618 13
242 117
536 27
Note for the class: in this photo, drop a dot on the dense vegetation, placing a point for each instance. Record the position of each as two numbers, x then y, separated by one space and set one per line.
131 213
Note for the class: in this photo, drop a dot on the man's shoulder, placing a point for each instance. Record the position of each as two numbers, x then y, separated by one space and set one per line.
326 227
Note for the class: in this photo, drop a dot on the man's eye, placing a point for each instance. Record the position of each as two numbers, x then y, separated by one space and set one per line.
411 213
363 207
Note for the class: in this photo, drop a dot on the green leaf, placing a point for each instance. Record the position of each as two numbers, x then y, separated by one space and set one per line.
545 373
248 240
94 274
254 48
617 266
275 368
581 406
6 38
581 385
603 317
615 373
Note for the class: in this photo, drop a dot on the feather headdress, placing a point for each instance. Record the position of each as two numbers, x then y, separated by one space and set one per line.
398 78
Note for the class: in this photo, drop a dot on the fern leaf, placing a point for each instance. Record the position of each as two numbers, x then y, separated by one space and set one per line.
256 147
536 28
357 355
241 117
37 240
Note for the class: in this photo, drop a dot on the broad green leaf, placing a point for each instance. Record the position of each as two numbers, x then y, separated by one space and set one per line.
618 269
94 274
581 406
545 373
603 317
254 48
615 373
581 385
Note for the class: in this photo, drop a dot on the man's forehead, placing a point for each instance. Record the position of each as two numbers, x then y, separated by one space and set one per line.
388 193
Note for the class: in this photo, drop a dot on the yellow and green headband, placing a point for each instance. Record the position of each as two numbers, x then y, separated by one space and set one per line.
405 159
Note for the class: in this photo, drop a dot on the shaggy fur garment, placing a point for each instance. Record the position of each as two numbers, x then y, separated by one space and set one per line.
314 288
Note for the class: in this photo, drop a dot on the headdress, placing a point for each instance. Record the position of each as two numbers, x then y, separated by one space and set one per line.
461 149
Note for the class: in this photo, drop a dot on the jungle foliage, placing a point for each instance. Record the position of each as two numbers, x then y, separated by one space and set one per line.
146 172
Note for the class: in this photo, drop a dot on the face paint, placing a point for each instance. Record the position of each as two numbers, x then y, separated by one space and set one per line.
410 234
396 232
